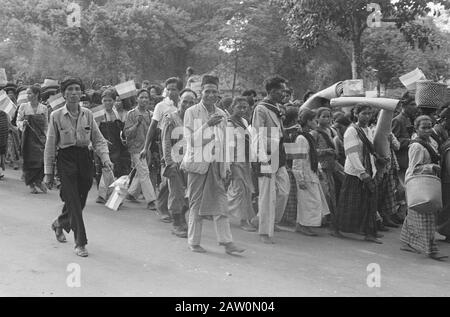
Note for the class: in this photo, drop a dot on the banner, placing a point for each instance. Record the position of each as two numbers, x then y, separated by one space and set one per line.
127 89
7 105
57 101
3 78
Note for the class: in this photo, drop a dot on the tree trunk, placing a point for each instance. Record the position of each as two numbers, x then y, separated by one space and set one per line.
236 59
356 58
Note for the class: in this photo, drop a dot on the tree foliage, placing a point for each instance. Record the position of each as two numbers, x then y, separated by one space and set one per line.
310 21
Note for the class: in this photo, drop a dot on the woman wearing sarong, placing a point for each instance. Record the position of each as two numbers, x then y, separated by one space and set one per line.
13 149
326 152
291 132
32 121
311 201
419 227
4 127
357 206
241 188
111 128
444 215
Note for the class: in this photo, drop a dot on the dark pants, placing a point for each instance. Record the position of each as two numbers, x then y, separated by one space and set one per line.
75 168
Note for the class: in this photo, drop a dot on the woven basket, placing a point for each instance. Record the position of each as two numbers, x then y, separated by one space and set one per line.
431 94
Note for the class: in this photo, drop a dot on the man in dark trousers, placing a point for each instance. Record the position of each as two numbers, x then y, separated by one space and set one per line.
402 127
71 129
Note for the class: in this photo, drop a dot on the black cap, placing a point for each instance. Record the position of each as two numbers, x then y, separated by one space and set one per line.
210 80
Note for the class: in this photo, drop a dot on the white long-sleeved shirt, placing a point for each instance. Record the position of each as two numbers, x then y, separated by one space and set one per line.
354 152
26 109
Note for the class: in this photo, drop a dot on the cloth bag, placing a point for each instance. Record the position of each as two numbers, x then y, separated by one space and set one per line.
120 191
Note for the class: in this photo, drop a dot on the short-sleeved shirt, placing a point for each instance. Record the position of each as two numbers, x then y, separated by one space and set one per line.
164 107
136 140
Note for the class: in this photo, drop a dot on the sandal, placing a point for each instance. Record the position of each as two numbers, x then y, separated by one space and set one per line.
438 256
409 248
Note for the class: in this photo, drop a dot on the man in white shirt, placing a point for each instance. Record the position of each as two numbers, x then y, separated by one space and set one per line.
173 87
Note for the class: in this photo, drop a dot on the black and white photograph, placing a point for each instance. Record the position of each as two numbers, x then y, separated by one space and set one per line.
224 154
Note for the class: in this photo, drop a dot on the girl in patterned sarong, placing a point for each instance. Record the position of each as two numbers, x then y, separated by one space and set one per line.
419 227
357 206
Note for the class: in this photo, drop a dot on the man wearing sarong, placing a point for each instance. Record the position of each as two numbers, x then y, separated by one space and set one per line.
71 129
204 162
273 181
32 121
172 142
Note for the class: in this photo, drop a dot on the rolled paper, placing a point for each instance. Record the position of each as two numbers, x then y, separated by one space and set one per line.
331 92
382 132
379 103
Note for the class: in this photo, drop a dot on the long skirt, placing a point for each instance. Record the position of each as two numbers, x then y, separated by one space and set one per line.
240 191
357 207
311 204
329 188
13 152
418 231
33 145
444 215
290 213
386 194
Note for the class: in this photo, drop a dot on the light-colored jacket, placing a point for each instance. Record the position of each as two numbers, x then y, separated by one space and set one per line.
267 139
201 139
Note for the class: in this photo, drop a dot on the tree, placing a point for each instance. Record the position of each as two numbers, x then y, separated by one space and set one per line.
387 51
309 22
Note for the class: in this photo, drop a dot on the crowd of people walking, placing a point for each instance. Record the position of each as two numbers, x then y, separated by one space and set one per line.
319 167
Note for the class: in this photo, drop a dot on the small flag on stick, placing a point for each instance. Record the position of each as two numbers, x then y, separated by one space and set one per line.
98 113
57 101
127 89
409 80
22 98
7 105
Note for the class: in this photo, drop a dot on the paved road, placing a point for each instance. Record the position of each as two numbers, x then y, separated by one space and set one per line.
132 253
